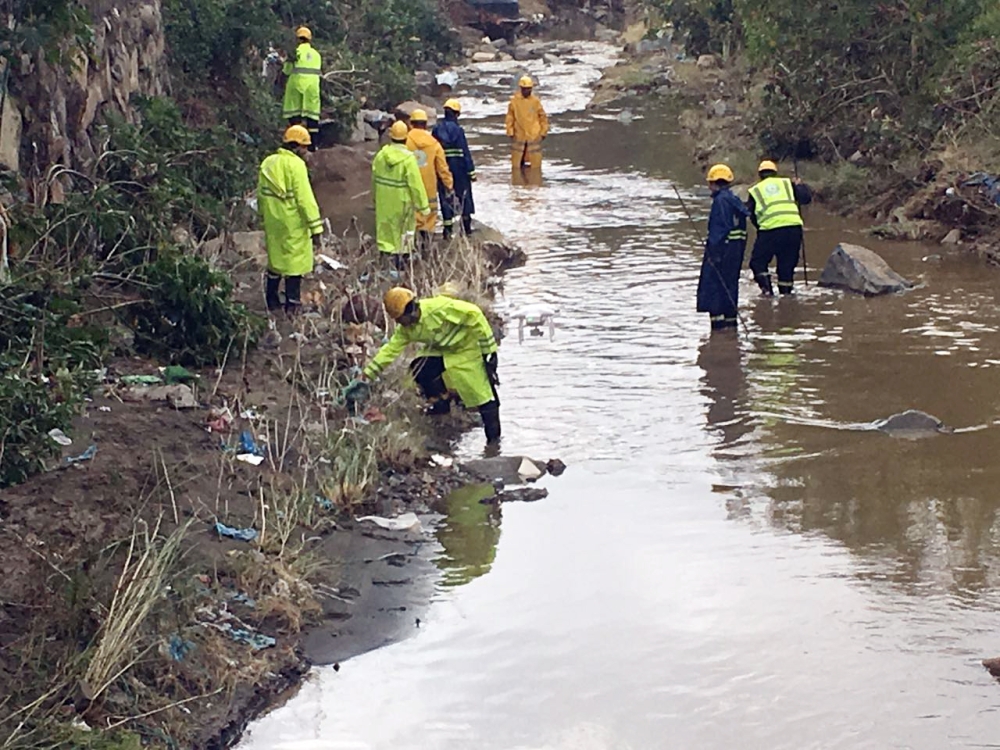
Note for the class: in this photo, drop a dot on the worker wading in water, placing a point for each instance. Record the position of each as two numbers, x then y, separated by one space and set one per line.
302 105
433 171
291 218
774 209
719 282
527 126
399 195
459 354
456 150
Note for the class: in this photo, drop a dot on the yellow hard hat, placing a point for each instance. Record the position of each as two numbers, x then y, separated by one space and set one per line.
720 172
396 300
767 166
418 115
303 32
453 104
298 134
526 82
399 131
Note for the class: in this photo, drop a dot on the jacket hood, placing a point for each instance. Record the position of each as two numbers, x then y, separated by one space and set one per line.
420 138
447 131
396 153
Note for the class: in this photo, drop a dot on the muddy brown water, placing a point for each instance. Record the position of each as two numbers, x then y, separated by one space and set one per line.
730 560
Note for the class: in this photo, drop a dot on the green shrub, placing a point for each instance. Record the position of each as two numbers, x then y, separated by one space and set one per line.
190 317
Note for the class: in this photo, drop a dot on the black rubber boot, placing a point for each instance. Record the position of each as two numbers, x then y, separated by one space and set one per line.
272 282
293 294
491 421
467 225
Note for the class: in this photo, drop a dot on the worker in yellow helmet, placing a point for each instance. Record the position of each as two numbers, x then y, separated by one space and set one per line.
719 281
302 102
459 354
433 170
399 193
527 126
463 170
774 209
291 218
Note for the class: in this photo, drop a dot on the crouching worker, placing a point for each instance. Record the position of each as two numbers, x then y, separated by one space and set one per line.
459 354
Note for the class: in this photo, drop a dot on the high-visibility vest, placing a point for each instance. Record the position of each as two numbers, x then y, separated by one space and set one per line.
775 205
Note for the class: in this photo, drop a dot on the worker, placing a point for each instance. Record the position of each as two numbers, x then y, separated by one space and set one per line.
774 209
302 103
434 172
459 355
291 218
527 126
463 171
718 284
399 195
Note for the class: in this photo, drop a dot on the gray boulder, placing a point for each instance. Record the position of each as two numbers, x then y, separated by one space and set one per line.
860 270
911 421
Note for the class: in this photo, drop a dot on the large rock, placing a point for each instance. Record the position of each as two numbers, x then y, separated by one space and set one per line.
506 469
404 110
10 135
911 422
858 269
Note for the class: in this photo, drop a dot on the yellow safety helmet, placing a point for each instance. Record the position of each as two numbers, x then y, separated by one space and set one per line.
720 172
396 300
454 105
418 115
767 166
526 82
303 32
298 134
399 131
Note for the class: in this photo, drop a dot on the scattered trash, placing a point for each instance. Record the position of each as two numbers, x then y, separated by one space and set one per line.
250 413
249 445
219 420
298 337
178 374
448 78
331 263
60 437
324 502
442 461
355 394
528 471
104 408
988 184
256 641
85 456
405 522
243 535
179 647
250 458
141 379
373 414
243 598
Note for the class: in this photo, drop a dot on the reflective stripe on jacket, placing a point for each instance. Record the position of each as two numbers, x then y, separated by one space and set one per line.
458 332
302 89
289 212
775 205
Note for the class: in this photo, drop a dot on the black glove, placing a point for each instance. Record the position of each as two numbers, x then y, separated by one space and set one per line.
491 368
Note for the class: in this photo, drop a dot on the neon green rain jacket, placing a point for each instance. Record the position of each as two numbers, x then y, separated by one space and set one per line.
399 195
455 330
302 89
289 212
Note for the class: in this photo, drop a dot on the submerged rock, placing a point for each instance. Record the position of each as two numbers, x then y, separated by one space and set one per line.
860 270
508 469
911 421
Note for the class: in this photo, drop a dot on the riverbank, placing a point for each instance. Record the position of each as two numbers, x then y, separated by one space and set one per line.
199 531
924 200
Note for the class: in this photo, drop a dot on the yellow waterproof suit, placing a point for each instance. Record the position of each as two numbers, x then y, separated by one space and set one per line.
433 167
289 212
452 329
399 194
527 124
302 89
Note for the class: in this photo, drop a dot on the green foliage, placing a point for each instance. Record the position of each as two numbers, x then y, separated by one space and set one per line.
213 38
45 26
710 26
190 317
46 368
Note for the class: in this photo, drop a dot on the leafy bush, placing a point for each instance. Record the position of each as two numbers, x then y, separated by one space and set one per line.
190 317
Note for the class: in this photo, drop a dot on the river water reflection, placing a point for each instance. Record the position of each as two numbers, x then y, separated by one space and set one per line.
730 561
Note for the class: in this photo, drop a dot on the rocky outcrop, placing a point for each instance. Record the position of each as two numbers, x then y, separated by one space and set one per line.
59 104
858 269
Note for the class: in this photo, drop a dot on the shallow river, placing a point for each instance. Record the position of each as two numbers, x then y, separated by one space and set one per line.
730 561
